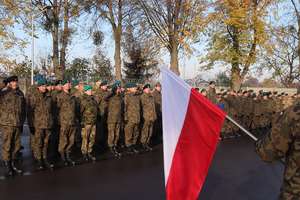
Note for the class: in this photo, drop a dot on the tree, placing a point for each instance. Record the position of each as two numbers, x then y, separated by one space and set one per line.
101 67
56 20
140 50
222 79
79 69
176 23
114 12
251 82
270 83
235 36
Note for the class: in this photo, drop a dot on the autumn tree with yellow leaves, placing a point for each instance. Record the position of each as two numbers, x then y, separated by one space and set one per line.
236 33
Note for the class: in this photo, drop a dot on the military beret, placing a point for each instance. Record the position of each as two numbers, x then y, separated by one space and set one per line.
75 82
147 86
131 85
87 88
65 81
11 79
103 83
41 82
158 84
212 82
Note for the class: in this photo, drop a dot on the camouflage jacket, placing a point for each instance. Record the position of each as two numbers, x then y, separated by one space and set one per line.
157 99
114 114
148 107
12 107
212 95
32 91
88 110
132 108
66 104
283 142
41 110
101 97
78 98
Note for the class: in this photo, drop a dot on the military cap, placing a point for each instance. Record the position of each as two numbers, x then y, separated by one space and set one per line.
75 82
87 88
158 84
212 82
103 83
41 82
147 86
131 85
65 81
11 79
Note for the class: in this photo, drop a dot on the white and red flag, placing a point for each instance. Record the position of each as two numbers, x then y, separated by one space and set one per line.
191 130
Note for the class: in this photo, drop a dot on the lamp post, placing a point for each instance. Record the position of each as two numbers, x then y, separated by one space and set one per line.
32 40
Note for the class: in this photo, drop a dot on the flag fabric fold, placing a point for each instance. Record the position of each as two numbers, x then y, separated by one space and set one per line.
191 130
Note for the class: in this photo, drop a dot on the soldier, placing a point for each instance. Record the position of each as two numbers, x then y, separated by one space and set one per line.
211 92
157 135
114 118
282 143
101 94
41 110
89 111
149 117
66 104
132 117
12 117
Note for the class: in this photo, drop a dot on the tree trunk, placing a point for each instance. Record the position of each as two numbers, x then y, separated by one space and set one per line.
174 66
236 79
64 40
117 56
55 40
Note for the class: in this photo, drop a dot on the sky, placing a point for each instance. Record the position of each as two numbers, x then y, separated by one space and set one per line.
83 47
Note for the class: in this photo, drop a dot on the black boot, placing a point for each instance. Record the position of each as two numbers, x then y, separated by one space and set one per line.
48 164
135 149
117 153
69 160
92 157
85 157
40 165
148 148
63 158
8 168
15 168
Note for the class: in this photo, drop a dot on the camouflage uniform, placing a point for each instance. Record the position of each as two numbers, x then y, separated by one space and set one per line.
114 119
132 118
66 104
149 116
89 111
41 110
157 134
12 117
212 95
284 142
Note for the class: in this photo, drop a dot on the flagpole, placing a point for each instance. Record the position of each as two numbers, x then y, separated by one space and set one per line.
242 128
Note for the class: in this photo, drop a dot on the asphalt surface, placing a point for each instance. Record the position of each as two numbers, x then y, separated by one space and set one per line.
236 174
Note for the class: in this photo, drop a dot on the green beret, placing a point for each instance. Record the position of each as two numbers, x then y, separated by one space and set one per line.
87 88
65 81
147 86
75 82
41 82
130 85
103 83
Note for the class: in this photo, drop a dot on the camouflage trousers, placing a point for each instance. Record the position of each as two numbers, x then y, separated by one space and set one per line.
41 142
147 132
131 133
11 142
288 196
113 134
88 134
66 139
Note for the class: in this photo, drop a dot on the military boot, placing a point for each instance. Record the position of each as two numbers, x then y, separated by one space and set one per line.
48 164
147 147
117 153
92 157
85 157
63 158
40 165
15 168
8 168
69 160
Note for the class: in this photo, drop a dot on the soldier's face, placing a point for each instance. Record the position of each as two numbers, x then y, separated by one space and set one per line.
89 92
42 88
49 88
14 84
58 87
67 86
104 87
147 90
158 88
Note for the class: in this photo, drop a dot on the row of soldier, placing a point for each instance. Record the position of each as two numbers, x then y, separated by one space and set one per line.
254 111
60 114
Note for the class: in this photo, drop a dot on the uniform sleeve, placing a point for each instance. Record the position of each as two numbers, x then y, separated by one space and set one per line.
276 143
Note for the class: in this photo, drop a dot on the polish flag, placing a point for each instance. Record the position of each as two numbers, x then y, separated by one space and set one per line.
191 130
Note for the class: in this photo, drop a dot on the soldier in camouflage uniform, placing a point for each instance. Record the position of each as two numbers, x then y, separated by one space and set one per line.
149 117
101 94
12 117
41 110
114 118
283 143
132 117
211 92
157 133
66 104
89 112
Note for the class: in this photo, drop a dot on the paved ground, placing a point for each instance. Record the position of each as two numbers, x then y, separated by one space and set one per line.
236 174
